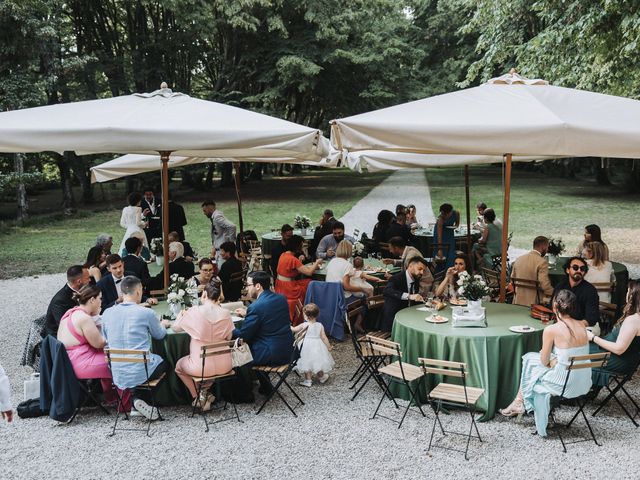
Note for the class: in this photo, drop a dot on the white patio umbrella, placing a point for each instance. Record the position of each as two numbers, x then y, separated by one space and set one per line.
161 122
508 116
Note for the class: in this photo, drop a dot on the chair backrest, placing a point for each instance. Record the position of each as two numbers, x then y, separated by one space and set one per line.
491 277
579 362
443 367
375 302
214 349
384 347
526 284
119 355
237 277
384 246
380 286
606 287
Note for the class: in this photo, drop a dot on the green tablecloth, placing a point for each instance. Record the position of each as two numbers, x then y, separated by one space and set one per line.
493 354
557 275
271 239
369 264
424 239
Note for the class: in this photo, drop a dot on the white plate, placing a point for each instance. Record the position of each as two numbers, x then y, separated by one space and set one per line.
437 319
522 329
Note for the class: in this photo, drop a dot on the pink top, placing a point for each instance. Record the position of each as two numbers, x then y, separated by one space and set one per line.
72 329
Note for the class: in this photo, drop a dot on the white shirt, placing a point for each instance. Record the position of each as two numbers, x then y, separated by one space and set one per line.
410 280
337 268
118 282
602 274
5 391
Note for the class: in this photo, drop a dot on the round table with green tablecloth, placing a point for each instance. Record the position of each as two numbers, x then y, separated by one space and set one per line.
423 239
272 239
557 275
171 390
493 355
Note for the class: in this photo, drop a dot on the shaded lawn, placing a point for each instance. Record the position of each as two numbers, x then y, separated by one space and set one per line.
51 243
545 205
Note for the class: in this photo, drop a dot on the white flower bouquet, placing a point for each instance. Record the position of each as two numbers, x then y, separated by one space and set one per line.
472 287
302 221
358 249
181 293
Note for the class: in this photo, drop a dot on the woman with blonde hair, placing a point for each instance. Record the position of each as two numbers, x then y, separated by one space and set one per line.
600 269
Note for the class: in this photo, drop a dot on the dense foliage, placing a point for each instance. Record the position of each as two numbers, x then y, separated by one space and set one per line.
304 60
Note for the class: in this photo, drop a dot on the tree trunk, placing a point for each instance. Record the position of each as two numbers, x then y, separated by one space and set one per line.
601 166
187 178
208 183
256 171
68 201
226 179
21 191
633 178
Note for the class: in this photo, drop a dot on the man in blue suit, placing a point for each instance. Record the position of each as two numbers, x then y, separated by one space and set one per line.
266 327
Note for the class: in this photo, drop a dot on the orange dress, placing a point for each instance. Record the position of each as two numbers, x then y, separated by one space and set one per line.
293 289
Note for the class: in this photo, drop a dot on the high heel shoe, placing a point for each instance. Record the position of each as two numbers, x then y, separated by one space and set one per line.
516 408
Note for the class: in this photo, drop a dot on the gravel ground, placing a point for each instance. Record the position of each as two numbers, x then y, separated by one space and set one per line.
331 438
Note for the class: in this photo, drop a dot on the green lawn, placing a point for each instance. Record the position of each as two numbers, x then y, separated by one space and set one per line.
50 243
544 205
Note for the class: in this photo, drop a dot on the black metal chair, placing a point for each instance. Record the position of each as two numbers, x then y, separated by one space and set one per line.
619 381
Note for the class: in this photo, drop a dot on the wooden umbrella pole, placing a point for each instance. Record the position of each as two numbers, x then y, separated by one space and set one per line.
466 191
237 181
164 158
505 228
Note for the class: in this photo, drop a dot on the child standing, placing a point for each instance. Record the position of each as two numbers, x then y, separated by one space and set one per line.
315 358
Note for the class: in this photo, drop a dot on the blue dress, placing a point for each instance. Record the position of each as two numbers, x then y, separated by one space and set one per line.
539 383
448 238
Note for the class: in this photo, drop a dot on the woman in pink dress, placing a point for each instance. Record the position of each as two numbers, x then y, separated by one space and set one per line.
84 342
207 323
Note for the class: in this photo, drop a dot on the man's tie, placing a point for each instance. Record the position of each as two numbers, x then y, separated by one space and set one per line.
118 281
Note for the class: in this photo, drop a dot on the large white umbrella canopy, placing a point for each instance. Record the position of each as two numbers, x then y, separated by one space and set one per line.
133 164
157 122
509 114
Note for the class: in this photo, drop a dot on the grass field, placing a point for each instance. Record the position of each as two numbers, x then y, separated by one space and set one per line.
544 205
50 243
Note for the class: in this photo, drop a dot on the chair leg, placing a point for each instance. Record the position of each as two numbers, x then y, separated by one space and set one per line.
436 420
553 419
119 406
379 403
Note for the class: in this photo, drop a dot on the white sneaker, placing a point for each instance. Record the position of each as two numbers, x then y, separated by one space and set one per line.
306 383
134 413
323 378
145 409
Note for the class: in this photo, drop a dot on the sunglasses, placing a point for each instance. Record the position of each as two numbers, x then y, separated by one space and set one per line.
582 268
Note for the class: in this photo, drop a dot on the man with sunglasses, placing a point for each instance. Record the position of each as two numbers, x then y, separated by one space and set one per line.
587 305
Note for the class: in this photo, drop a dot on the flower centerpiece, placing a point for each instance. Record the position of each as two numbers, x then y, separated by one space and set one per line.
473 288
180 294
358 249
556 247
302 222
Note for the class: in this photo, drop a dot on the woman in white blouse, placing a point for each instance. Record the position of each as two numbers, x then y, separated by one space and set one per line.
600 269
131 219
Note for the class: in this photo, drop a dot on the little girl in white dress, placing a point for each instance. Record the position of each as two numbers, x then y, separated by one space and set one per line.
315 358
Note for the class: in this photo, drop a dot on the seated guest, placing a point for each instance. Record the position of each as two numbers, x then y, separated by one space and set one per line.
328 244
544 373
266 327
286 232
379 234
204 276
133 263
206 324
110 284
411 216
587 301
188 251
533 266
402 291
84 342
401 209
292 276
177 266
623 341
232 291
490 243
600 270
592 233
145 253
104 241
326 225
399 228
399 249
95 258
480 222
129 326
77 277
448 288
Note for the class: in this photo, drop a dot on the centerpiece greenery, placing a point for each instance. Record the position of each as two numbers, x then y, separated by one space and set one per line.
302 222
556 246
472 287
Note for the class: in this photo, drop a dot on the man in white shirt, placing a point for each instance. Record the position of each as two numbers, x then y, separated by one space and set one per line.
222 230
5 396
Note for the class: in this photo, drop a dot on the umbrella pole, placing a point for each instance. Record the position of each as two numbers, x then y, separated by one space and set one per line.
164 158
466 191
237 181
505 228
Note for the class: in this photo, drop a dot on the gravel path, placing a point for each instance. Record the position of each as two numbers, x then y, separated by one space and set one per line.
403 186
331 438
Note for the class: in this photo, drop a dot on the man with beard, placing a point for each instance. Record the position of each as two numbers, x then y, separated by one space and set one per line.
329 243
402 291
586 294
532 266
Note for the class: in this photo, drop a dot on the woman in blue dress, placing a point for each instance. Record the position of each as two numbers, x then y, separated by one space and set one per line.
443 234
544 373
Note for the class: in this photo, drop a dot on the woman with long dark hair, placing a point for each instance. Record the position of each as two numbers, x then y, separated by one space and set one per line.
545 373
592 233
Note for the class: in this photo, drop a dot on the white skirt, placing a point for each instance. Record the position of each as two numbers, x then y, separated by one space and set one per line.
314 357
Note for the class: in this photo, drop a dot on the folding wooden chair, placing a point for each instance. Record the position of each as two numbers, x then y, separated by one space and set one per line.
281 372
132 356
619 382
577 362
453 395
204 383
397 372
493 282
526 284
88 389
379 287
434 248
